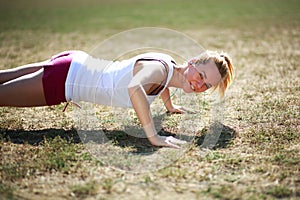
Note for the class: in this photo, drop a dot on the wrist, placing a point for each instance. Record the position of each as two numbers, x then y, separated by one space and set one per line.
151 132
154 140
170 107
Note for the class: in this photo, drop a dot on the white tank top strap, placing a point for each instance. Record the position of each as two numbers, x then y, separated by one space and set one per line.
161 87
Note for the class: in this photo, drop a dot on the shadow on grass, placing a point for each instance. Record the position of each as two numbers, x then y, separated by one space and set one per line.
119 137
224 135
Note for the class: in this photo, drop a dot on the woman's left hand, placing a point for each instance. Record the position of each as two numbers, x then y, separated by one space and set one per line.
179 110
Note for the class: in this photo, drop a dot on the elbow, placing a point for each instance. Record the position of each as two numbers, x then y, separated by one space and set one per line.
133 89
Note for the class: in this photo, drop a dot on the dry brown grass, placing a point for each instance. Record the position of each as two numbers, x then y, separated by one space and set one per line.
261 161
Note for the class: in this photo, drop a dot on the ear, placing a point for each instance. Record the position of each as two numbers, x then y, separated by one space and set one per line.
192 63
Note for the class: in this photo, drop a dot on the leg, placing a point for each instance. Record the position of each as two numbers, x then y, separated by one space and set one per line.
10 74
25 91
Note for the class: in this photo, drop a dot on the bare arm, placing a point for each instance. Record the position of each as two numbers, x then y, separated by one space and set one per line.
165 96
171 108
142 108
142 80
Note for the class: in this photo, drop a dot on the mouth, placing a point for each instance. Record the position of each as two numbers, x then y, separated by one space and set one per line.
192 87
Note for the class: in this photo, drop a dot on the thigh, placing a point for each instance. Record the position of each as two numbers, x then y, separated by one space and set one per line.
25 91
54 78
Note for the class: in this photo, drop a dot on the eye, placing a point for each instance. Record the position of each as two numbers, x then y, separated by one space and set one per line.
201 76
208 85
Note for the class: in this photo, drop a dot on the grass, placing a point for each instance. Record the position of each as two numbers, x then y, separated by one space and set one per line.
82 191
56 155
94 15
257 155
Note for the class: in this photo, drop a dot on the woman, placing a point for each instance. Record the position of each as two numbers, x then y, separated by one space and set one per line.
76 76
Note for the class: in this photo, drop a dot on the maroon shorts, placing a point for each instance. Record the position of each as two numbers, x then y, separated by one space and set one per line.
54 77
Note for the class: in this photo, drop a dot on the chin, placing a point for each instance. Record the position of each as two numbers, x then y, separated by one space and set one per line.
187 90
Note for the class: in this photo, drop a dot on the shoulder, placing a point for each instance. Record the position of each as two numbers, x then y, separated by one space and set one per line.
150 68
156 55
149 74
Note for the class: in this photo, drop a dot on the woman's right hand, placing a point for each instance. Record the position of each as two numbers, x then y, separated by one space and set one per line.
167 141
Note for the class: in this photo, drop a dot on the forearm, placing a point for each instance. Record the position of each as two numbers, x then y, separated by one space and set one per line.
142 108
165 96
171 108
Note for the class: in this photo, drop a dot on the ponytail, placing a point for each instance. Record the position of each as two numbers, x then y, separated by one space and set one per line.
225 67
227 72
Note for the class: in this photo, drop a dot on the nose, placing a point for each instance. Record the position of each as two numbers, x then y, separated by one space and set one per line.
199 86
200 83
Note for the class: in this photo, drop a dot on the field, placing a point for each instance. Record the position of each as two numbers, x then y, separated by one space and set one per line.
257 155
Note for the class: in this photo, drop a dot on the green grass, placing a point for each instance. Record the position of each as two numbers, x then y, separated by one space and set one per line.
92 15
84 190
6 192
56 154
279 191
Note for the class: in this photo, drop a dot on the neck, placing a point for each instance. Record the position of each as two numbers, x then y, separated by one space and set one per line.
178 76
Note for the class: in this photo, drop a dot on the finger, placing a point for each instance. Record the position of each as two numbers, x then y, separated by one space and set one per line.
175 140
180 111
188 110
180 142
170 144
169 140
191 112
176 111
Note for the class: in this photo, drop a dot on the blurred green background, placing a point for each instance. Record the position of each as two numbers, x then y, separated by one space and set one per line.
95 15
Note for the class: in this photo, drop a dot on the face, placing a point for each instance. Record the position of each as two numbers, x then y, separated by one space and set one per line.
202 77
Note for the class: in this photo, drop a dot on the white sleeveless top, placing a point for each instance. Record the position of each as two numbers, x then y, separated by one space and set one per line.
106 82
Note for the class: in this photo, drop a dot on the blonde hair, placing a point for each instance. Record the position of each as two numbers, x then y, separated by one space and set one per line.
225 67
